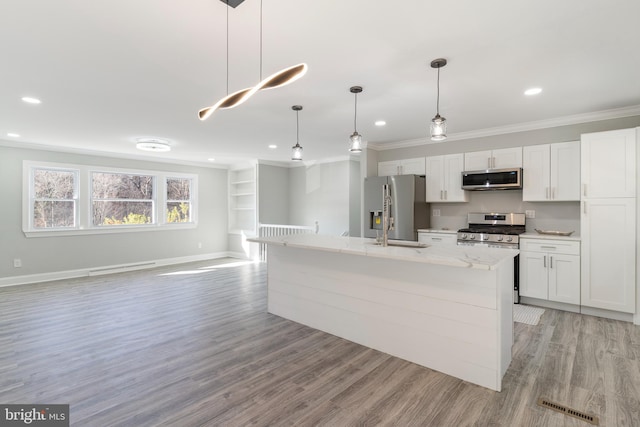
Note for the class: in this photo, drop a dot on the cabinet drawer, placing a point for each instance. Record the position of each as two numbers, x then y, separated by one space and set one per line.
438 239
550 246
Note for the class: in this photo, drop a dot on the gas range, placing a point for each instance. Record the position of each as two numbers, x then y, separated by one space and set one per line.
498 230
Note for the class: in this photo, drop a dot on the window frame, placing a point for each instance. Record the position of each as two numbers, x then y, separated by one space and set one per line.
32 199
192 189
84 201
152 200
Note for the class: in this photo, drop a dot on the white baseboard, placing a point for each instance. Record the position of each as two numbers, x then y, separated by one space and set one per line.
109 269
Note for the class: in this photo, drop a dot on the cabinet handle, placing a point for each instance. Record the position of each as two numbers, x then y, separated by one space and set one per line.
550 262
445 195
584 190
546 192
584 207
553 193
544 261
441 198
439 239
548 247
488 162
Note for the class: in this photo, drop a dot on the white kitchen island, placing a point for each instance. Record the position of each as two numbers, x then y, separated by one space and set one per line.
446 308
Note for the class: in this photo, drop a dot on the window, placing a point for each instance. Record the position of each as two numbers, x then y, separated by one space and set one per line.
80 199
178 200
53 198
121 199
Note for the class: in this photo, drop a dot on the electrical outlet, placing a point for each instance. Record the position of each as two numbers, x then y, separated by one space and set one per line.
17 263
199 245
530 214
436 212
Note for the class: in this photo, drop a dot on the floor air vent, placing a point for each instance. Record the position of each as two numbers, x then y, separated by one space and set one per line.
546 403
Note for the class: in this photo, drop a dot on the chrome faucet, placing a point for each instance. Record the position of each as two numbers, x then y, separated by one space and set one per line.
387 219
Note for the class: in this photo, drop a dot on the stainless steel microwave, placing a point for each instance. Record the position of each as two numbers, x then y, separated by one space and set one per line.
492 179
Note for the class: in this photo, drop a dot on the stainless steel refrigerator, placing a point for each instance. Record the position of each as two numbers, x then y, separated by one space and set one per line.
409 210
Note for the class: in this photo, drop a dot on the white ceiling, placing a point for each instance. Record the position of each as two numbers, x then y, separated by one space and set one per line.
110 71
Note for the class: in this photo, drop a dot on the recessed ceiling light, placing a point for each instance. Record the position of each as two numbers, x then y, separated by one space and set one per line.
532 91
211 159
152 144
13 135
273 146
380 123
31 100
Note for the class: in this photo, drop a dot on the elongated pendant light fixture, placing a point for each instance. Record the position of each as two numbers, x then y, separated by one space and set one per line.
279 79
438 123
296 150
355 145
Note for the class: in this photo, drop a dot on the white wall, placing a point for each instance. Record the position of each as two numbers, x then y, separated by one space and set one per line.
42 255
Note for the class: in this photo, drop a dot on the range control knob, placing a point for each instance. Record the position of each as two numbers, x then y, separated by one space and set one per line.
473 237
500 238
464 237
509 239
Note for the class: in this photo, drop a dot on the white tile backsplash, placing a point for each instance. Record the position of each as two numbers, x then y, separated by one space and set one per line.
559 216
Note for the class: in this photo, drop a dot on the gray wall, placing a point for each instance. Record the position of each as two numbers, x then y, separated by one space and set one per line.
320 192
273 194
534 137
55 254
549 215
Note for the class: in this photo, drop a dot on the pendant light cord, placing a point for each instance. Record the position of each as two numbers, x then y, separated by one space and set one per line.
227 48
260 40
438 96
297 129
355 115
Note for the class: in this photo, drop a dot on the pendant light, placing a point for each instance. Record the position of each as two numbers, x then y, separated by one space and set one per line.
296 150
355 146
438 123
279 79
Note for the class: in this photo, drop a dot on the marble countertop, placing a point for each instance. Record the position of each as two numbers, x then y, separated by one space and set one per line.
534 235
457 256
437 230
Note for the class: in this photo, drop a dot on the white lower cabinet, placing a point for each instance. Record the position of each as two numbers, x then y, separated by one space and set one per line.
439 239
550 270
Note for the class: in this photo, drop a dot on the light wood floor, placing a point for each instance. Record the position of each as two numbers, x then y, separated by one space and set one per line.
193 345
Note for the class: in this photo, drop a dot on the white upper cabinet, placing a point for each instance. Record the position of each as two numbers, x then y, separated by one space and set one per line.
494 159
608 164
444 178
402 167
551 172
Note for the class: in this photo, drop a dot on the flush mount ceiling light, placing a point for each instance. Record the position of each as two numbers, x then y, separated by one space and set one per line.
355 144
380 123
13 135
438 123
153 144
296 150
533 91
281 78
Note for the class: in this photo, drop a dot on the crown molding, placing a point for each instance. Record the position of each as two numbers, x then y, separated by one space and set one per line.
615 113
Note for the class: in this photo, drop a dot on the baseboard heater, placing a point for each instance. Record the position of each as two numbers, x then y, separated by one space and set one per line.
120 268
